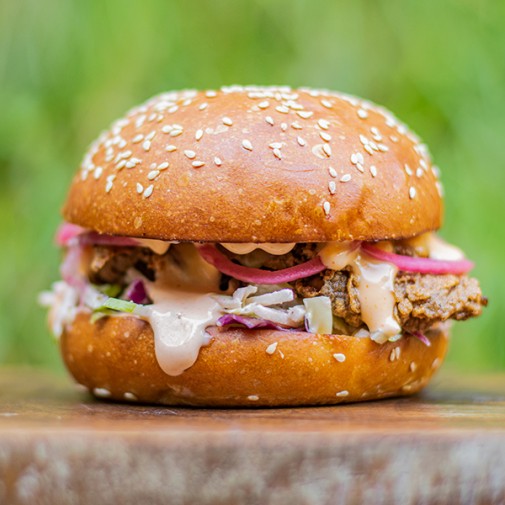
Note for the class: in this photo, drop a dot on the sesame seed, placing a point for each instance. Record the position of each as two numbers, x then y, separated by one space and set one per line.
327 150
140 188
284 126
98 172
332 172
383 148
278 154
269 120
363 140
362 113
296 125
271 348
325 136
339 357
121 164
218 161
397 352
101 392
163 166
198 135
175 133
275 145
342 394
346 178
408 170
326 208
138 138
423 164
412 192
148 191
132 163
198 164
354 158
153 174
393 138
166 128
332 187
305 114
392 355
227 121
210 94
413 366
263 105
300 141
150 135
368 149
246 144
108 186
189 154
373 170
323 124
203 106
282 109
360 167
253 398
170 148
326 103
419 172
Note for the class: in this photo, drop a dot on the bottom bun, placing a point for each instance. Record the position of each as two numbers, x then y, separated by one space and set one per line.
114 358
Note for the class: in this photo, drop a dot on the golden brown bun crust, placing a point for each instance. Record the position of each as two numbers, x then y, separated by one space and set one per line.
330 167
116 355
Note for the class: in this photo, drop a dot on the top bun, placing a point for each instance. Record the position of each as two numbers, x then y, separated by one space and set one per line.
257 164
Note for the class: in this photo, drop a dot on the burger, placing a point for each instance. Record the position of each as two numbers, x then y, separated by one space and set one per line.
256 246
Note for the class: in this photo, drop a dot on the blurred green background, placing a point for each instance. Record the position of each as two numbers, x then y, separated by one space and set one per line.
68 68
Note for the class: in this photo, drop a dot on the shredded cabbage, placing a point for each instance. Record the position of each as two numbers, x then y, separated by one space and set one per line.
241 303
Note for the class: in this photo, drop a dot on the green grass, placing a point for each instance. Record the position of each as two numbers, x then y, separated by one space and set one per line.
67 69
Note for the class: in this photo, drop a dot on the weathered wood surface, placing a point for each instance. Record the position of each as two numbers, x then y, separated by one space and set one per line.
58 446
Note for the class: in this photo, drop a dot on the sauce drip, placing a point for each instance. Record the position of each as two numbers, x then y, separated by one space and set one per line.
375 287
179 319
270 248
376 296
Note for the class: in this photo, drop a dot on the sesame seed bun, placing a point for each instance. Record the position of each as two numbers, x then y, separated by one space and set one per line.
257 165
114 358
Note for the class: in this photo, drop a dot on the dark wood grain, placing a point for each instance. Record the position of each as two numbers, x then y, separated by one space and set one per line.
57 445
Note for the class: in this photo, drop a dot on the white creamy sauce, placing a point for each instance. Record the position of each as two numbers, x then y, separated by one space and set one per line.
270 248
440 250
436 248
338 255
179 319
376 296
157 246
183 308
375 287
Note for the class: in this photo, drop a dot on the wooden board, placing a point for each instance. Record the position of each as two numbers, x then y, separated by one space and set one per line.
58 446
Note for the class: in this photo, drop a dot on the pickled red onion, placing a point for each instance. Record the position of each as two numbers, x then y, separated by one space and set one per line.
67 232
422 337
419 265
94 238
255 275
